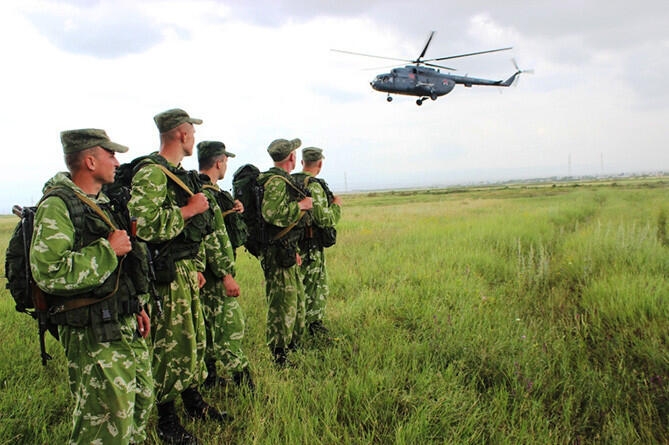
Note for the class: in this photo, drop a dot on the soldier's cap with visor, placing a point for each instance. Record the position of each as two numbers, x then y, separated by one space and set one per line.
172 118
77 140
212 149
279 149
310 154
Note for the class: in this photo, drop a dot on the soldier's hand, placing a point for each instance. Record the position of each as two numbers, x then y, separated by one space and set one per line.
201 280
197 204
120 242
298 259
143 324
337 200
231 287
306 204
238 207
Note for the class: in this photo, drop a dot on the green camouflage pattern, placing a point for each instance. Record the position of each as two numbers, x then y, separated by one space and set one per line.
322 214
224 317
313 261
312 154
278 208
154 204
285 301
179 337
111 383
279 149
56 268
283 286
169 119
77 140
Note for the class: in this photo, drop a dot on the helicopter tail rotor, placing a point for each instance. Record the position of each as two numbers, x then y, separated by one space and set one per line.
518 72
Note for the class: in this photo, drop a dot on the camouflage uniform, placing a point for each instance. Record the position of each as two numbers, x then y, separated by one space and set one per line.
179 337
283 285
224 316
313 267
111 381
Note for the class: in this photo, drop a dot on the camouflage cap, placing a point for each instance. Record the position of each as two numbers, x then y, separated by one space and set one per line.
279 149
77 140
312 154
211 149
170 119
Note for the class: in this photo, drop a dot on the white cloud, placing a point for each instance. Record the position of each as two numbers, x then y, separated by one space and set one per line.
255 74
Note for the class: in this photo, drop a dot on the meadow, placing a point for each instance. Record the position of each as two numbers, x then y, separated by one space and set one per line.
501 315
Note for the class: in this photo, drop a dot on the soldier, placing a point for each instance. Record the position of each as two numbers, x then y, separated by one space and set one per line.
283 206
223 315
319 234
95 276
173 216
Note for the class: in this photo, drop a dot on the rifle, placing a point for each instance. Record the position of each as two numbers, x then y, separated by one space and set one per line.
41 312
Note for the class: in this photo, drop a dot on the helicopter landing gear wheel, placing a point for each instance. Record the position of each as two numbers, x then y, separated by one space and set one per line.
389 98
433 96
419 102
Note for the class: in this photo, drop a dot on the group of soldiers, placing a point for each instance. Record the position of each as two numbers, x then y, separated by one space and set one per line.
143 291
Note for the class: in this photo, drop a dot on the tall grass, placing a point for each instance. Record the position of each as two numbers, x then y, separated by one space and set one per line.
511 315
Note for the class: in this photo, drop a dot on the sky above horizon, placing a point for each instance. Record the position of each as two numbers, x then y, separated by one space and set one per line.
256 71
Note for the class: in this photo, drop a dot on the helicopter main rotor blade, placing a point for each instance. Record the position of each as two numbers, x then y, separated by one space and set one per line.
429 39
469 54
438 66
371 55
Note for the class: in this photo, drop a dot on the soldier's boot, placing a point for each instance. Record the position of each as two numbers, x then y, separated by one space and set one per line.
280 356
197 408
212 379
169 428
243 377
317 328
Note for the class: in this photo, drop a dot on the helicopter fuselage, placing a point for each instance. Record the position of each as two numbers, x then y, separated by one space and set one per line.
414 81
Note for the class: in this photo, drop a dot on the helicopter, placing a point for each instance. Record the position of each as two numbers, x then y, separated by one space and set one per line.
426 82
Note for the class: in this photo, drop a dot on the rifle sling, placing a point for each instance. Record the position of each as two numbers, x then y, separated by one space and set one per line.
302 212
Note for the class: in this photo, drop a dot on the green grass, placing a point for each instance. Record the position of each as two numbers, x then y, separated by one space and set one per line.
499 315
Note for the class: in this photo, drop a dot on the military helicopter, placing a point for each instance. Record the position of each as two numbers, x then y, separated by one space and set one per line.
426 82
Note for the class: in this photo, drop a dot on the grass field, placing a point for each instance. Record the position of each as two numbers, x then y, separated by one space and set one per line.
515 315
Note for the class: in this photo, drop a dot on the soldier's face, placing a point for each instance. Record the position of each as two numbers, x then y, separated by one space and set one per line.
105 165
189 139
223 166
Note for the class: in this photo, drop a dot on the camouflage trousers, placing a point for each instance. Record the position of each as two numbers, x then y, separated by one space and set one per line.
179 337
285 298
224 320
111 383
315 284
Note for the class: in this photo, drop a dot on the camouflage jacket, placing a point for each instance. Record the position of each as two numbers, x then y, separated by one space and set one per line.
279 205
57 267
156 204
220 260
323 213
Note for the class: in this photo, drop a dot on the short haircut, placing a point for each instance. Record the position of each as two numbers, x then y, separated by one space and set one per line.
207 163
73 160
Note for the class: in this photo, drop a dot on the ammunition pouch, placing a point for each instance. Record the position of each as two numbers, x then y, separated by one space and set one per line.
102 317
327 236
164 268
165 256
283 253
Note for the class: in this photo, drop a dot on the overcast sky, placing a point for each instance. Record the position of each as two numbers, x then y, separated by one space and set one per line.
254 71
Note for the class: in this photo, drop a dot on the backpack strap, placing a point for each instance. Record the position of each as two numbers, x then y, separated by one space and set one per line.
76 303
148 160
285 231
216 190
176 179
287 181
